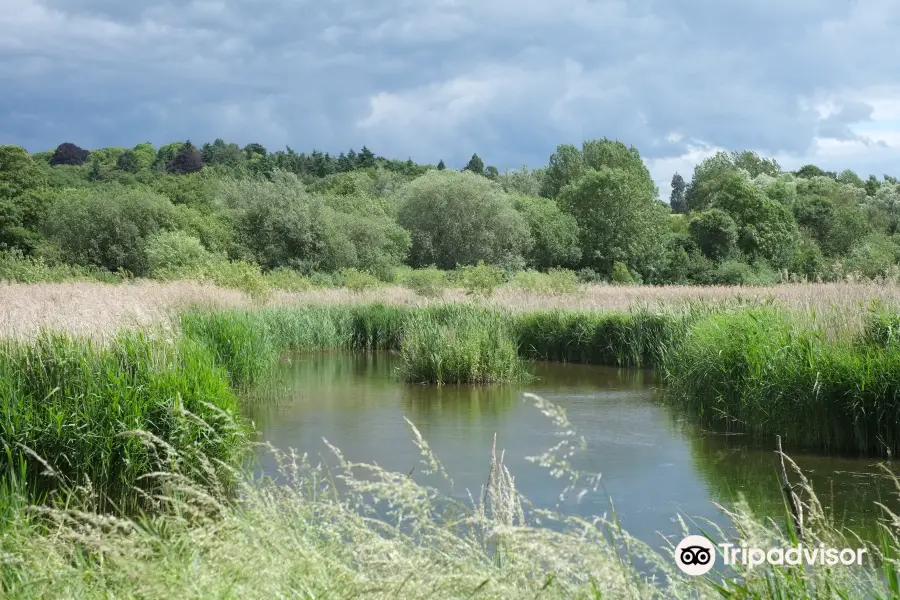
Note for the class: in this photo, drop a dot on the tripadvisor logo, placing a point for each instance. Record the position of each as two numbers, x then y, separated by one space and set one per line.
695 555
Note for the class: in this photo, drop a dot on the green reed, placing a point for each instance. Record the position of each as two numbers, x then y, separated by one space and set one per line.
68 407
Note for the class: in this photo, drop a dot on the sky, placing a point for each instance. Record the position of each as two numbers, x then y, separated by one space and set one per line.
805 81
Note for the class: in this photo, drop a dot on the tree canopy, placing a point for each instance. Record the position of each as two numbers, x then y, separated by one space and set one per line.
593 208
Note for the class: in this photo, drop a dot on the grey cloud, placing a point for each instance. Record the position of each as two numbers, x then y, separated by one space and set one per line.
509 80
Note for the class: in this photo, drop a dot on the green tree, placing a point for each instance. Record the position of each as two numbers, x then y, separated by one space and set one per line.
220 153
766 229
524 181
279 224
475 165
676 200
458 218
255 151
871 185
441 166
164 156
146 154
619 219
715 233
491 172
567 164
848 177
108 226
810 171
128 162
95 173
366 159
755 164
554 233
23 201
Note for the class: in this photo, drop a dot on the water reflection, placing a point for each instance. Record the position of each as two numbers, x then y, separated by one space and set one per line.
654 467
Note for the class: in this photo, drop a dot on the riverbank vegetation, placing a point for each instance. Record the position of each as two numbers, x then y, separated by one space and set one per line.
101 433
315 533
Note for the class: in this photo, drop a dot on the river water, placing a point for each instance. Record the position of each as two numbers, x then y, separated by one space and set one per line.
654 465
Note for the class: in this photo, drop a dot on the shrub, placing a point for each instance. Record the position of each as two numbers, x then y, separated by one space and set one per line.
240 275
170 253
588 275
288 280
873 256
736 272
358 281
480 280
621 274
555 281
17 268
429 282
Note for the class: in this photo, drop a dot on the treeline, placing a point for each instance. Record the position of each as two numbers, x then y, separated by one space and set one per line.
168 211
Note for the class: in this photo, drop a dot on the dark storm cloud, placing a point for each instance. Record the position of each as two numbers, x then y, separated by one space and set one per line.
443 79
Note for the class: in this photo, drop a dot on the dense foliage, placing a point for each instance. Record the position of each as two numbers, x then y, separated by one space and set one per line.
146 211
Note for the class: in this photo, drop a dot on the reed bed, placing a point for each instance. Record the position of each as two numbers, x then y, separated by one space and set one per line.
444 343
100 311
758 369
763 372
67 407
460 346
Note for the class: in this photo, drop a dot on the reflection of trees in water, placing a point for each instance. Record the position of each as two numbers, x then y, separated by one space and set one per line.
847 488
471 402
592 378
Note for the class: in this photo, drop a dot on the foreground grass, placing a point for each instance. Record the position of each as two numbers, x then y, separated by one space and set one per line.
356 530
67 407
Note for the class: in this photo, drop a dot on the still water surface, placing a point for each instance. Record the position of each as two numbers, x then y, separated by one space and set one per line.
654 465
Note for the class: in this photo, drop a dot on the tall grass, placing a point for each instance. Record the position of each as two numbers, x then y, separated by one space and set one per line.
67 407
247 342
758 370
762 372
358 531
638 338
459 346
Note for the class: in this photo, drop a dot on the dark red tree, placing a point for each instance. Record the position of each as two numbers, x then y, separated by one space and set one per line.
187 160
69 154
